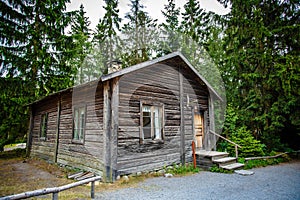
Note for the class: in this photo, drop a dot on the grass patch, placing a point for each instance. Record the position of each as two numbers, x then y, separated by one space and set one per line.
217 169
263 162
182 169
10 145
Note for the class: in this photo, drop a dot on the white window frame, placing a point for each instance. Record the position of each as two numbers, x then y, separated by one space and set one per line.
156 122
43 126
79 122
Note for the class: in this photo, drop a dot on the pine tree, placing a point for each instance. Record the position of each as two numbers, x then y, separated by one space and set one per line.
140 33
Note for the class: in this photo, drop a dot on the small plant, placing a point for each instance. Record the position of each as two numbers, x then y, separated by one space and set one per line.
181 169
264 162
217 169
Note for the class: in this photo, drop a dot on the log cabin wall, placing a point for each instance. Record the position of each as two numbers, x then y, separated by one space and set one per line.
157 84
44 147
195 94
86 155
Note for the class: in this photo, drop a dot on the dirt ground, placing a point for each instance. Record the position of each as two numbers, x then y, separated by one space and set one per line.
19 175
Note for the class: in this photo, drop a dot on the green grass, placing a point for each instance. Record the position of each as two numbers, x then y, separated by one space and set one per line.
10 145
182 169
263 162
217 169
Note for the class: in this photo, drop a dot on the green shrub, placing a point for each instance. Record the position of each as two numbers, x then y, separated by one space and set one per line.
250 146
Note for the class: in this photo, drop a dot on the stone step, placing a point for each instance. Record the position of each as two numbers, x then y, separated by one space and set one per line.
225 161
244 172
233 166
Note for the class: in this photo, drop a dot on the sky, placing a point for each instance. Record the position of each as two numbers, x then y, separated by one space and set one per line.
94 8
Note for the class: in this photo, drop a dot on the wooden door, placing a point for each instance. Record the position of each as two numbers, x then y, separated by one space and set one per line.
198 129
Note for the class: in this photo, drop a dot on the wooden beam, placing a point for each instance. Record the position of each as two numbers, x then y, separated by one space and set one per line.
29 132
57 129
114 128
106 130
182 129
212 138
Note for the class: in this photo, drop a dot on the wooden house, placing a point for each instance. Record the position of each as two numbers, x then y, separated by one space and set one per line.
139 118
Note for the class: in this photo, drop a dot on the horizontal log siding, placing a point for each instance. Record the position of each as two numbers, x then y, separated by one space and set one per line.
87 156
44 148
197 91
158 84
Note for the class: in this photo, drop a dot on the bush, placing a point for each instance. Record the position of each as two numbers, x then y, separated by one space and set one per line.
250 146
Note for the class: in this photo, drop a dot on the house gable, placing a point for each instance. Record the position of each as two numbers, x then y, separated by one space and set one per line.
169 86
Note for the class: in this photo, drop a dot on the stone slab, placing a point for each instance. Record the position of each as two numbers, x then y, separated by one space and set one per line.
244 172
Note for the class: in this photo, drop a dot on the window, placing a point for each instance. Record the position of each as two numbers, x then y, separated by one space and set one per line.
44 120
152 122
79 124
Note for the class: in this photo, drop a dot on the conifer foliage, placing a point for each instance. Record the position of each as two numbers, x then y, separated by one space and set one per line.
261 68
255 46
33 50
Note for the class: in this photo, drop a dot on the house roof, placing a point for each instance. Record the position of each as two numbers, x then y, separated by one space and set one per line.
158 60
137 67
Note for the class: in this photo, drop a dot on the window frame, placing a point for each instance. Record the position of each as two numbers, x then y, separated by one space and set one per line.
43 126
152 105
79 140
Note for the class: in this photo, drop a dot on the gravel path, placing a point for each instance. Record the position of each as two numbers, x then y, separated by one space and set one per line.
272 182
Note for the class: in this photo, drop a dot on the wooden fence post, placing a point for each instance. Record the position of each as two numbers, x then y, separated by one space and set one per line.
194 155
93 189
55 196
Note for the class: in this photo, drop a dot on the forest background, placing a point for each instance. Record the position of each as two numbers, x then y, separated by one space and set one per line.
44 48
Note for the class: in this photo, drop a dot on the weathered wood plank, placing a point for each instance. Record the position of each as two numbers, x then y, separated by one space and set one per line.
182 142
57 131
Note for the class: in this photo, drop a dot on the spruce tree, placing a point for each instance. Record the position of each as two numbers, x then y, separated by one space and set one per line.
33 47
45 47
81 35
262 70
140 35
106 40
170 29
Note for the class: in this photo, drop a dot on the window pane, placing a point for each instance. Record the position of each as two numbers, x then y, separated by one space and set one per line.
147 122
147 132
79 123
43 125
81 127
157 123
152 122
147 109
